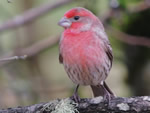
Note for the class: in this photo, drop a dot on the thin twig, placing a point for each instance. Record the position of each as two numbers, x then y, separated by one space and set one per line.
14 58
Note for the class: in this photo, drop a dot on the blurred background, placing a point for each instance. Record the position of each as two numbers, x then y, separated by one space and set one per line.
29 27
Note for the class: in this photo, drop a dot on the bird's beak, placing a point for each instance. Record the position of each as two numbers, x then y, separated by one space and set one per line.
64 22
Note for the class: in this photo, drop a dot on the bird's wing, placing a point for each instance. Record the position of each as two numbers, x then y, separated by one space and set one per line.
60 58
108 50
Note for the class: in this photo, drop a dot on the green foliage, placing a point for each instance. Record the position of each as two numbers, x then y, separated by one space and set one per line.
124 3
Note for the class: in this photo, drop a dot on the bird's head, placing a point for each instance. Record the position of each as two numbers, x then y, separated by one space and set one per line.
78 18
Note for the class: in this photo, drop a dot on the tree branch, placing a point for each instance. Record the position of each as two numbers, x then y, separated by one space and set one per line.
31 15
124 37
95 105
129 39
31 50
144 5
37 47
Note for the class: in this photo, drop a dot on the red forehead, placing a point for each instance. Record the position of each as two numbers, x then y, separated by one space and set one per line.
77 12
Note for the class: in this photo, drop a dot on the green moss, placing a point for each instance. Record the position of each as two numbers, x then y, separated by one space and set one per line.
63 106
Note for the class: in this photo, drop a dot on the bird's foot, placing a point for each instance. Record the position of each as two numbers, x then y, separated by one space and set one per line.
75 97
108 97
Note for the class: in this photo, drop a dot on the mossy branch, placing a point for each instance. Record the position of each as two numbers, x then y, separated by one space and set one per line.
95 105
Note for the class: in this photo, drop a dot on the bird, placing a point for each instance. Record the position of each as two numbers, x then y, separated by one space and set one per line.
85 51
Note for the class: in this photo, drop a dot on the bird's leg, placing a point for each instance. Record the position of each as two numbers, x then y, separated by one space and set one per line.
75 96
107 95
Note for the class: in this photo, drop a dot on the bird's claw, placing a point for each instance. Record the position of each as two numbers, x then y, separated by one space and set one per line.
108 97
75 97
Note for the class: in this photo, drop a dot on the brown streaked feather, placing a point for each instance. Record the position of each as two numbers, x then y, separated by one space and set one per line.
109 53
60 58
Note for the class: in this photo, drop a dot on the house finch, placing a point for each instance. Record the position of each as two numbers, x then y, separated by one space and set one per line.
85 51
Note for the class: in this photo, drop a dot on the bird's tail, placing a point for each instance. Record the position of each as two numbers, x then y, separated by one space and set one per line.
102 90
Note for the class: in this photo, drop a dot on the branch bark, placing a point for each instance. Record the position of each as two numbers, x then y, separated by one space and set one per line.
94 105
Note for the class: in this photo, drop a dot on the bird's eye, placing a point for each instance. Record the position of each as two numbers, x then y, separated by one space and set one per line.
76 17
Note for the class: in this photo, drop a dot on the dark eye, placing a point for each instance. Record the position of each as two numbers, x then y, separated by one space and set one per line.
76 17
